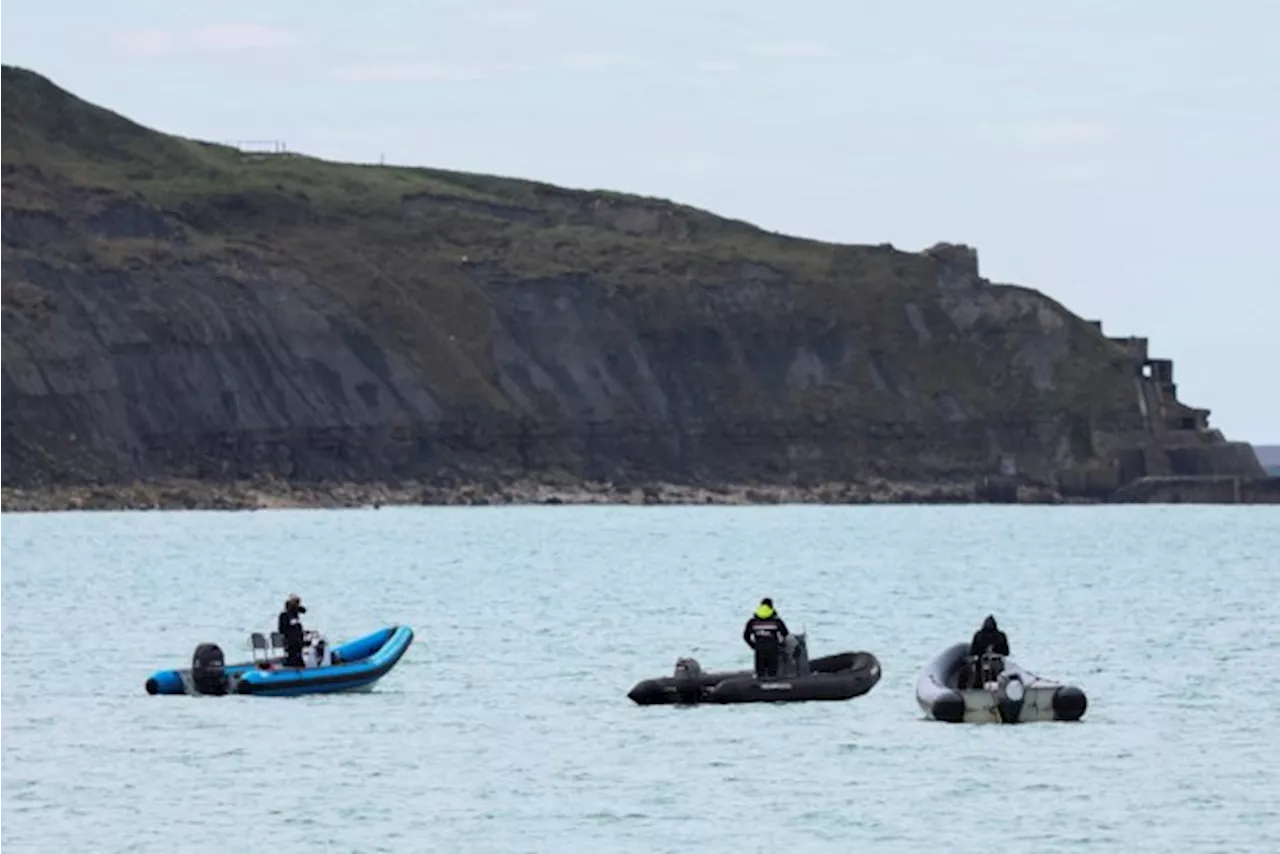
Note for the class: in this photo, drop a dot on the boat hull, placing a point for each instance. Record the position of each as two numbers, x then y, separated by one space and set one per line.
1038 700
833 678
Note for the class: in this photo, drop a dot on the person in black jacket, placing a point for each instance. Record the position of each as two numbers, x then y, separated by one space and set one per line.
290 625
764 633
989 639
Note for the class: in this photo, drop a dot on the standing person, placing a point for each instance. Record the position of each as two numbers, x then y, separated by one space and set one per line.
989 638
290 625
764 633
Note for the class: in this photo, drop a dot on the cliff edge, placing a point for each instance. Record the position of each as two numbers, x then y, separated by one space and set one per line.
179 310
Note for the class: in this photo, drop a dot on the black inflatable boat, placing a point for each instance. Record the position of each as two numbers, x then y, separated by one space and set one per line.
834 677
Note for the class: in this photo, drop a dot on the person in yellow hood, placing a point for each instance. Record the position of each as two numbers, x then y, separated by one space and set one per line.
764 633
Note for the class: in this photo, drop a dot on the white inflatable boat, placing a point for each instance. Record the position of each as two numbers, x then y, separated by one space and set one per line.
957 689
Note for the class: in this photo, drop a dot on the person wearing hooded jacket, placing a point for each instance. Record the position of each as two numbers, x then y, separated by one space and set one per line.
764 633
289 624
989 639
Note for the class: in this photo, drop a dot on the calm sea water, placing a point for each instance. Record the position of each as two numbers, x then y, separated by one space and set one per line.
506 728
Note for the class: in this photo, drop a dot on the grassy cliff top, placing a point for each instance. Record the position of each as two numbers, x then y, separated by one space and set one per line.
70 142
47 127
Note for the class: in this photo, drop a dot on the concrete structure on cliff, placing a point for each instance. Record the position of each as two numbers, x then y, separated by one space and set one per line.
1159 437
1166 438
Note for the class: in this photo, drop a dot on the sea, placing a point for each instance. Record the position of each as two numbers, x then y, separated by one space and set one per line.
507 727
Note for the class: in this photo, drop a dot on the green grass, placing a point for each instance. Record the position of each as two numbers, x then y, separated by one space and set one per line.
89 146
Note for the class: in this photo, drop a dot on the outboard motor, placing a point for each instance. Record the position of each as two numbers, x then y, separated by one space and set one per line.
793 657
800 658
990 666
209 669
786 666
688 677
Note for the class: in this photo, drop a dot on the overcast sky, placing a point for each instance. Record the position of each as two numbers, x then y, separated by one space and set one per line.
1119 155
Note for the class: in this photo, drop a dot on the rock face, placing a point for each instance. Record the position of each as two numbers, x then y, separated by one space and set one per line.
180 310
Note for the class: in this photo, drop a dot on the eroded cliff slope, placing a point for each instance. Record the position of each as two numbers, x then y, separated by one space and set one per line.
178 309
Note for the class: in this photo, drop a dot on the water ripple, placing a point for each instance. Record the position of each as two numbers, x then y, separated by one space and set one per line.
506 728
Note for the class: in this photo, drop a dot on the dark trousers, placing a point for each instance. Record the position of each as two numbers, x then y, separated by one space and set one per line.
766 659
293 656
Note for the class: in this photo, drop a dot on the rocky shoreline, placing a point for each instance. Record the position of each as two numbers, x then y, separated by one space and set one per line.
269 493
274 494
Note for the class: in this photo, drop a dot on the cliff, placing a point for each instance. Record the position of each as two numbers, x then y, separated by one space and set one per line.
175 309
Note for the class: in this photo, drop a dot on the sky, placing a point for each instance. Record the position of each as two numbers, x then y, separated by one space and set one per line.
1118 155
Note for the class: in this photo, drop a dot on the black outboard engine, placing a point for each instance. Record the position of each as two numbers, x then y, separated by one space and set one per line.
688 677
209 669
796 656
990 666
793 657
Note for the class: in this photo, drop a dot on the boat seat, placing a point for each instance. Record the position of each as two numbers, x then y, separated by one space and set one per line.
277 642
259 644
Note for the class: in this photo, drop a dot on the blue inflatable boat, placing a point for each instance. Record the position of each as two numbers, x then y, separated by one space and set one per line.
353 666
